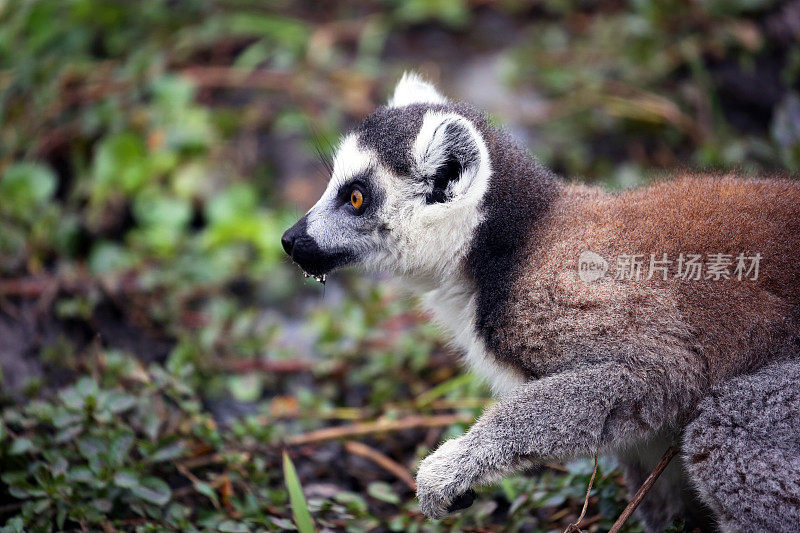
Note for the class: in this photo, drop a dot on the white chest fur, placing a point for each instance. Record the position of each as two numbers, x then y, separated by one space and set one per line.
453 307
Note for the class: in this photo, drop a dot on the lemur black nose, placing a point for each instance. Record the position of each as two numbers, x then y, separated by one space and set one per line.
288 242
292 234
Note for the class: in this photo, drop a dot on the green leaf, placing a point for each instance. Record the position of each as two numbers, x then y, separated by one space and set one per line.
151 209
206 490
14 525
119 402
126 478
353 502
120 448
509 491
173 92
454 384
246 387
232 204
80 474
287 31
120 165
296 498
108 256
61 517
229 526
25 186
383 491
21 446
91 447
168 452
64 418
283 523
153 490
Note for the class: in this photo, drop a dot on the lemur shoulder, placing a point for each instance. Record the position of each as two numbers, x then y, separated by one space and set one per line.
491 240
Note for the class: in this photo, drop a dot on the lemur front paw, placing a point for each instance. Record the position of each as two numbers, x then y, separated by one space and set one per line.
445 479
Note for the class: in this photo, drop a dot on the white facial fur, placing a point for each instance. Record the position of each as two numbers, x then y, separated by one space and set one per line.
429 240
350 160
424 243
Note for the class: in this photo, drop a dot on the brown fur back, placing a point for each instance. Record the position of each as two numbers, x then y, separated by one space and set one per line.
729 325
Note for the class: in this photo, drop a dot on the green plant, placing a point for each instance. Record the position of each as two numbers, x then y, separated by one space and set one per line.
296 499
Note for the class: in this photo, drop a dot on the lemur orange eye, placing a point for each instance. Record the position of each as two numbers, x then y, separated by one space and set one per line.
356 198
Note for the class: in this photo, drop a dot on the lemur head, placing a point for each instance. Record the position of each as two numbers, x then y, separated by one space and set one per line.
405 192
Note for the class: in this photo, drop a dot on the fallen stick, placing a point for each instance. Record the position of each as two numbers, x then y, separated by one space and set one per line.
385 462
575 527
29 287
671 452
379 426
591 521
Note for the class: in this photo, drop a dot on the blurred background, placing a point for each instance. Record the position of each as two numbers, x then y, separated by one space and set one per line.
159 354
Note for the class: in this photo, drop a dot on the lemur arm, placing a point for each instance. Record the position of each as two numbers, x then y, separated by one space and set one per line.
568 414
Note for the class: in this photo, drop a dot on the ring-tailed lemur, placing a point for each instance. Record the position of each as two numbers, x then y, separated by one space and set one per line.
490 239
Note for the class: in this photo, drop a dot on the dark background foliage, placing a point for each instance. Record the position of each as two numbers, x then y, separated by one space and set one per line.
158 353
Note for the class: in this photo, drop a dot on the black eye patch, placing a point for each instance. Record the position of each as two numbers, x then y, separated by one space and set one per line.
361 182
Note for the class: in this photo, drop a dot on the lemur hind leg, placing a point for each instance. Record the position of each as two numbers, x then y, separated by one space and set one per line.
742 452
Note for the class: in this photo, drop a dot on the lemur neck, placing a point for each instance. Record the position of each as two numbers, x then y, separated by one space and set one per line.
520 193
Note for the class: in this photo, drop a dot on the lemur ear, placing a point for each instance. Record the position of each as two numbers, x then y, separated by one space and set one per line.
411 89
449 155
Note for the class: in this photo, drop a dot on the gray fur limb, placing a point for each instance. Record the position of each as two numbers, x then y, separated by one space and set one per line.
742 452
574 413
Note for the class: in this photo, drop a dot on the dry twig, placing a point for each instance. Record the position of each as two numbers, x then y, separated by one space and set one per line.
575 526
379 426
671 452
289 366
194 479
382 460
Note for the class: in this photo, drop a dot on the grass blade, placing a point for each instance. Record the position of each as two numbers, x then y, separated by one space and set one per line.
302 518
